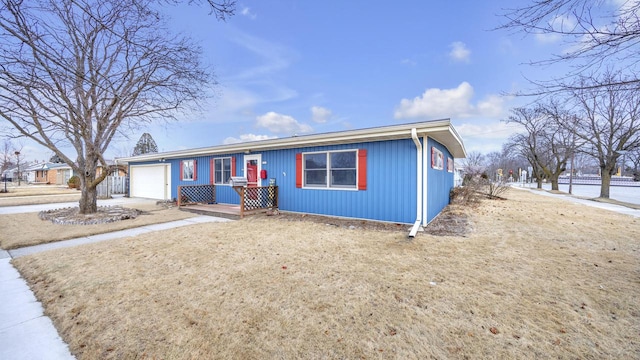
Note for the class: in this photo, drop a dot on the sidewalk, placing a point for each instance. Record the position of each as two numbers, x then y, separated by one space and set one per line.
25 332
43 207
601 205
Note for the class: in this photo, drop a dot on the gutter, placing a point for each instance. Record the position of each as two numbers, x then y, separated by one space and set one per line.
442 127
417 225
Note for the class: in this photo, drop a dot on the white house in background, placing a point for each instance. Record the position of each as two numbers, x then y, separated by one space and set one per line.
48 173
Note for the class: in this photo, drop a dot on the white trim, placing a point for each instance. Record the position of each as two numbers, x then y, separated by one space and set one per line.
440 130
193 175
214 170
425 168
417 225
328 186
258 158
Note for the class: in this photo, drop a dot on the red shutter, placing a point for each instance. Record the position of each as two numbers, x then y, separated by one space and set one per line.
233 166
181 170
362 169
195 170
211 172
298 170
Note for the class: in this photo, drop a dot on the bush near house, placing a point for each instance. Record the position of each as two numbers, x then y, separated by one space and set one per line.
74 182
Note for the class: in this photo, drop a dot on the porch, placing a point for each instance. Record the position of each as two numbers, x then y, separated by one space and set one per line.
227 211
201 199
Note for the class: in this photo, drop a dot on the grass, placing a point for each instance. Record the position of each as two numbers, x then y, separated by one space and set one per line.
19 230
536 277
37 194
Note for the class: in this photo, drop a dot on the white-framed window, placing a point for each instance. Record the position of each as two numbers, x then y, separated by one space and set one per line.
188 170
330 169
222 171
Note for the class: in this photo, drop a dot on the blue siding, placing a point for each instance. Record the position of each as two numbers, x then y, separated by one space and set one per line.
391 182
439 182
224 193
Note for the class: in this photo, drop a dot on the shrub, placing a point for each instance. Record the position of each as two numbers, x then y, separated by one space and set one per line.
74 182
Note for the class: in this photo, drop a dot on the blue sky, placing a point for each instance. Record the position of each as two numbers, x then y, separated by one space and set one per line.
288 67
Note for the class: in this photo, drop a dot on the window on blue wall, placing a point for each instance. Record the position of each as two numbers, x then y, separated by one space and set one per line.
188 170
332 169
222 171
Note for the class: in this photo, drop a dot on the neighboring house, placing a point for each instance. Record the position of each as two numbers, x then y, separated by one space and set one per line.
116 169
399 173
48 173
10 173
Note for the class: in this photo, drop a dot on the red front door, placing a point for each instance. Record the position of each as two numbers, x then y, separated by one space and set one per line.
252 173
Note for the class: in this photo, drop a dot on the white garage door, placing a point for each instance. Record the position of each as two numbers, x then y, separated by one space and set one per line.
151 181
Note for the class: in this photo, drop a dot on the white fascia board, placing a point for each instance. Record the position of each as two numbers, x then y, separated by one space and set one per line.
402 131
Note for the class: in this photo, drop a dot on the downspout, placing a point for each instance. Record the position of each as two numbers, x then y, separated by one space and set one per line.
417 225
425 180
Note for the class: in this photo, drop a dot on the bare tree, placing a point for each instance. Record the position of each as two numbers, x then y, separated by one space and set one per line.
634 157
6 155
596 34
609 122
528 144
221 9
547 141
473 164
80 72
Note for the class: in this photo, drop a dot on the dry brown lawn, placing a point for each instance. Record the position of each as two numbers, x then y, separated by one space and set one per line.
535 278
31 195
19 230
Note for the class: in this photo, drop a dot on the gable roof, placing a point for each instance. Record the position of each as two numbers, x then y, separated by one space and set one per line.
47 166
440 130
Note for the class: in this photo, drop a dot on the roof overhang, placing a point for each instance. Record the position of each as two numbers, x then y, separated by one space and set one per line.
440 130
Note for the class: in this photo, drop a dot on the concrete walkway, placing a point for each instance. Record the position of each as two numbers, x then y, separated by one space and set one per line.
43 207
601 205
25 332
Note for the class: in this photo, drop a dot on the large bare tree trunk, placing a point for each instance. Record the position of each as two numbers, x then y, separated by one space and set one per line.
554 183
88 200
606 182
88 183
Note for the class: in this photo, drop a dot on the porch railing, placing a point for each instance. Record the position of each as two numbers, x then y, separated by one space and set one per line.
196 194
257 198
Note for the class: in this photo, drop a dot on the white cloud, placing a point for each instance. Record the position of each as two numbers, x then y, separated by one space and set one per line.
492 130
246 138
282 124
246 11
320 114
459 52
408 62
437 103
486 137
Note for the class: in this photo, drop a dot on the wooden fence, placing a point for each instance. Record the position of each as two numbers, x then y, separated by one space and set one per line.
113 185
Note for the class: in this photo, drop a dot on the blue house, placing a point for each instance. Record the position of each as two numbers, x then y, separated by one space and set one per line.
398 173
